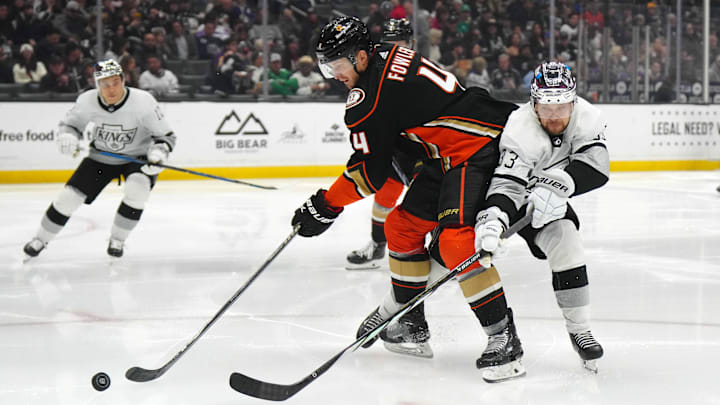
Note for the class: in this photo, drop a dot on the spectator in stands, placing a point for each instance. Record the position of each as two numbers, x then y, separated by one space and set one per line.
28 28
478 76
230 75
505 76
715 71
6 26
149 48
156 80
279 78
130 70
57 79
87 77
256 69
537 41
398 11
435 40
49 45
492 40
119 46
272 32
161 43
292 54
182 44
74 63
208 44
6 65
309 83
570 27
28 69
73 20
593 16
289 26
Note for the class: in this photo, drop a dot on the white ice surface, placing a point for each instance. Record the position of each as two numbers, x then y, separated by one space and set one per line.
653 248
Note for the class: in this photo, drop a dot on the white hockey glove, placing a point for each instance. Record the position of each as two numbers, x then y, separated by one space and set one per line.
489 225
157 153
550 196
68 143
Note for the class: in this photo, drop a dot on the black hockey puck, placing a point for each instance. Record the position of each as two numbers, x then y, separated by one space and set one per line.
101 381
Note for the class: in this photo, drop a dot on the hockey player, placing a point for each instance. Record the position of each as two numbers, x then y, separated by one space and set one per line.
399 99
117 119
397 32
553 148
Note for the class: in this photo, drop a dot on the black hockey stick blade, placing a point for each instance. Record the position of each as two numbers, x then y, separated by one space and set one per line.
139 374
277 392
280 392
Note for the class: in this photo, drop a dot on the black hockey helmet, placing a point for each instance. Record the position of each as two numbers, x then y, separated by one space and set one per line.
397 30
342 37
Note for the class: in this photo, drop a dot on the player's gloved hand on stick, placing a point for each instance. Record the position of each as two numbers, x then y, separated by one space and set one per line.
550 196
315 215
490 224
157 153
68 143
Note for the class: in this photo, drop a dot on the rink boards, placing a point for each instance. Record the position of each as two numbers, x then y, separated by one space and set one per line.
254 140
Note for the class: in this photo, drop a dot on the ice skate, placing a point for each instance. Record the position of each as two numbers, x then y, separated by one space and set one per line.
409 334
501 359
33 248
371 322
115 247
588 348
369 257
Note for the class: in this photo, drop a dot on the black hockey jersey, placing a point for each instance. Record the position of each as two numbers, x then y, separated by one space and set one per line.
405 101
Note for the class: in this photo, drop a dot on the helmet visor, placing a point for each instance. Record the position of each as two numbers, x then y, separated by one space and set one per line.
335 67
554 111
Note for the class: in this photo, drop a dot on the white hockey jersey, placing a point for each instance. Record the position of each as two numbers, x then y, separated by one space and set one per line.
526 149
128 127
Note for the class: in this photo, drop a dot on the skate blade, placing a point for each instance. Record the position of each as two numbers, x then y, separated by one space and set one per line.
373 265
411 349
590 365
504 372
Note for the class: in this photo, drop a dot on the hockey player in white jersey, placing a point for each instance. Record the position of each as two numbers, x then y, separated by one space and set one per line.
553 148
117 119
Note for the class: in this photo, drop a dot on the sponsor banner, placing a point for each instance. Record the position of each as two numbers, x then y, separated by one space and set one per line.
314 134
209 135
662 132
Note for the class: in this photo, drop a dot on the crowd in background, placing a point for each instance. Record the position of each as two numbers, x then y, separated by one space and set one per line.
50 44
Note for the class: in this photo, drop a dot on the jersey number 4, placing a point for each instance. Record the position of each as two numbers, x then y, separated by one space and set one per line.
359 142
444 79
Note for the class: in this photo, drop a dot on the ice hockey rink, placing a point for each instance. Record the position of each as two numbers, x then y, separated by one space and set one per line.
653 253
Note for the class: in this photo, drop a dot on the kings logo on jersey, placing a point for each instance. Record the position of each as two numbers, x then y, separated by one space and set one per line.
115 137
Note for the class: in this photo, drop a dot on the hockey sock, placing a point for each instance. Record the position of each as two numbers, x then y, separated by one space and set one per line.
125 221
573 297
409 275
379 214
59 213
485 296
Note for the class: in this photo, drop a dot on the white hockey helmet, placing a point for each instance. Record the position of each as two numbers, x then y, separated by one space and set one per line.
107 68
553 83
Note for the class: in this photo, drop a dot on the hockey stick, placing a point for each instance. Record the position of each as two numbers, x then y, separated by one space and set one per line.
280 392
180 169
139 374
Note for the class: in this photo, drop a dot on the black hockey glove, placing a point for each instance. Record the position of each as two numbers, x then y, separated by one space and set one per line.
315 215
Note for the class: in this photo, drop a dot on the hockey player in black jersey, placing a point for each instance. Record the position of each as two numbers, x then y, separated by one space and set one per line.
401 100
114 118
398 32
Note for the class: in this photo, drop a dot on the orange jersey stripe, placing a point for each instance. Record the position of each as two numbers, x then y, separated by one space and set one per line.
377 96
471 120
456 145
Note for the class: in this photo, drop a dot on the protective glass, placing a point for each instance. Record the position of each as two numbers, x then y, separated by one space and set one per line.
335 67
554 111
